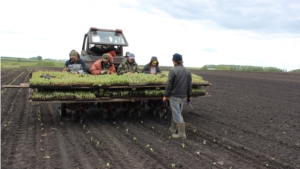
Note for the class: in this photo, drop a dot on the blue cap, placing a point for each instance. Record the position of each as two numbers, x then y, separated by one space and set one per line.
177 56
132 56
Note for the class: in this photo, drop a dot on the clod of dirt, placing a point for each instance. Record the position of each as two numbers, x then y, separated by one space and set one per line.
220 162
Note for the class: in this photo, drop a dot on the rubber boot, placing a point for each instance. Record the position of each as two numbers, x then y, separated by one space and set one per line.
173 127
181 131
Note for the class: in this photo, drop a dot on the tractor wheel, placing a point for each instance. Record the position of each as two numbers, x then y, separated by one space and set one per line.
63 110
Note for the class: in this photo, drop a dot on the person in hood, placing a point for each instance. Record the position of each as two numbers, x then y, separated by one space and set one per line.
75 65
152 67
104 65
128 66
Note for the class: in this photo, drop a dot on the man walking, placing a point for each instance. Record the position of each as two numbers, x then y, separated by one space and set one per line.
178 89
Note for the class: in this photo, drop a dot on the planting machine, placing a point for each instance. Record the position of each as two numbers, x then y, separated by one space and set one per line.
111 98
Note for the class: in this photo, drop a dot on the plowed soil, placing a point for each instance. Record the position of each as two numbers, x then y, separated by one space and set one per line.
251 120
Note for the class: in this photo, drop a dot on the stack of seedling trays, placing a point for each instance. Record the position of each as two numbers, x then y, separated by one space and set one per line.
63 86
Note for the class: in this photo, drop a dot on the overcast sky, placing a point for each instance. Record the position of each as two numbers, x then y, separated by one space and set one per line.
240 32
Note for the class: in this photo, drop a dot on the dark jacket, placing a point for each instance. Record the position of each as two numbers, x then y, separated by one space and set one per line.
126 67
78 66
179 82
147 68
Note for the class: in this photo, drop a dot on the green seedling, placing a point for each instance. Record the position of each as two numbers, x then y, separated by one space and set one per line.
148 145
108 165
126 130
173 165
151 149
41 124
115 123
42 129
134 138
195 131
83 126
214 163
214 140
198 152
229 147
142 122
97 144
41 141
46 157
152 127
88 132
183 145
41 149
267 165
169 137
91 138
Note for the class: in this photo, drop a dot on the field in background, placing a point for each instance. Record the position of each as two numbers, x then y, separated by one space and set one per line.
9 62
23 62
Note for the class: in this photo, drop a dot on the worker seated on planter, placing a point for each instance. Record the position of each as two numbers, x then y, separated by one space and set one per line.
152 67
104 65
128 66
75 65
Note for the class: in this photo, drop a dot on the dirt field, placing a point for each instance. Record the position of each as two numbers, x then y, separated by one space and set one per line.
251 120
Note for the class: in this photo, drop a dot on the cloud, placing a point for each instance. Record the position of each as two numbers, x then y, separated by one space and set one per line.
259 33
266 16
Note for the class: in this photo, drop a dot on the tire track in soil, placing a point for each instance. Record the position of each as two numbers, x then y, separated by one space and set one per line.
7 104
8 76
19 132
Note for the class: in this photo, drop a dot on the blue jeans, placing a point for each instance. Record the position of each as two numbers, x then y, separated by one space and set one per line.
176 104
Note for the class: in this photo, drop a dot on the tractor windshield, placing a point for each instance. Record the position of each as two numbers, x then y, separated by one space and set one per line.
107 37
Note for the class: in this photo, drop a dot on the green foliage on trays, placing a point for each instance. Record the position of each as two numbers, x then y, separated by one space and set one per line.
197 91
67 79
53 94
84 95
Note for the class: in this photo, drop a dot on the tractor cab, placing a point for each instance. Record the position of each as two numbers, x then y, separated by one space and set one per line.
97 41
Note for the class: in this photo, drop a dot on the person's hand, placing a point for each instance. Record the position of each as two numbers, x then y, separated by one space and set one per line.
103 72
65 69
188 100
165 101
75 73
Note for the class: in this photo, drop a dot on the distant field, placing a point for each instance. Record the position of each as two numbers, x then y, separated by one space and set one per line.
22 62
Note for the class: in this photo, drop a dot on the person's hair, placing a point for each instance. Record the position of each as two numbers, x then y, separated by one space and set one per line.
178 61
